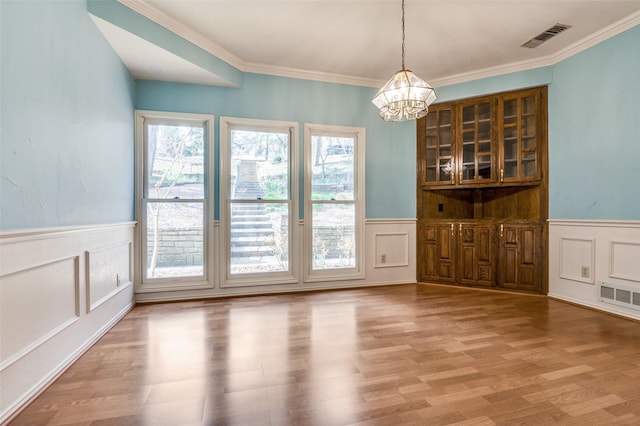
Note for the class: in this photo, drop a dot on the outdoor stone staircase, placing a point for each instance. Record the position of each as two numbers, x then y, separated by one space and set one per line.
251 233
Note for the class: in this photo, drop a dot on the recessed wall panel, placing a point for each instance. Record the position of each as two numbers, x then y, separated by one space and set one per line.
625 260
108 269
392 249
577 259
35 304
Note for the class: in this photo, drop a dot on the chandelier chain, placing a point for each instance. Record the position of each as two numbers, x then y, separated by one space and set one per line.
403 34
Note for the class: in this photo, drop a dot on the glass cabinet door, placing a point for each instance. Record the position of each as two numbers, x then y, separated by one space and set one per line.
477 144
520 139
438 148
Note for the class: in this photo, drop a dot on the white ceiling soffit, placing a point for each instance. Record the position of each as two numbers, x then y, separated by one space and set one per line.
146 61
358 42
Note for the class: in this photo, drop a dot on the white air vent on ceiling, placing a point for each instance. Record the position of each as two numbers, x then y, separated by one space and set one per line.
546 35
619 295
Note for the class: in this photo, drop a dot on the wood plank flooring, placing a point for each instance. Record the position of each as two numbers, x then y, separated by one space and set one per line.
396 355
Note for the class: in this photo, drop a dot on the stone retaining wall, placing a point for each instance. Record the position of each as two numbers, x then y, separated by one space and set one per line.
178 247
183 246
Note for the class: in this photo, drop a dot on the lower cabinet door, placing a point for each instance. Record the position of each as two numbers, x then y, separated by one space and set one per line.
519 257
439 252
477 255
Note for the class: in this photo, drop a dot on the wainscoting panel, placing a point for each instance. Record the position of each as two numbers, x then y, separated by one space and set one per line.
108 268
583 253
49 278
51 288
577 257
392 250
625 260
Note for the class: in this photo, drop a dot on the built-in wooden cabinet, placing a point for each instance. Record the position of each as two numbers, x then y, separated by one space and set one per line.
482 192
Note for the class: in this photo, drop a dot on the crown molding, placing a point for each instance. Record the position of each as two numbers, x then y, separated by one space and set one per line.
606 33
178 28
326 77
492 72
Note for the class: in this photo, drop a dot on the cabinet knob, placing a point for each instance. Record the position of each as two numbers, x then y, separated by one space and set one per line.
501 175
501 230
453 232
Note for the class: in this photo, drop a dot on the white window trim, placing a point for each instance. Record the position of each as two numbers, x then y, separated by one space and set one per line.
267 278
358 272
209 254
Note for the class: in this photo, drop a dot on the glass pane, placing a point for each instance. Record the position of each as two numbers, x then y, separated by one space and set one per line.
431 174
445 135
259 237
484 130
175 244
528 168
445 151
484 147
529 126
445 117
528 105
510 150
469 171
175 161
468 136
510 168
484 166
431 157
529 143
445 170
259 165
484 111
431 141
528 164
510 111
333 168
333 245
468 153
431 120
468 117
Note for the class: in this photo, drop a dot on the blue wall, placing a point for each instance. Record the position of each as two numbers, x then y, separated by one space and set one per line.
594 132
390 147
67 123
67 119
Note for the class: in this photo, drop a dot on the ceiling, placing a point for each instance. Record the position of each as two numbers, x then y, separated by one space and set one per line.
359 41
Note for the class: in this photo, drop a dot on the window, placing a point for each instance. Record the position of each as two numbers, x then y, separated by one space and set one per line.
174 200
259 208
334 202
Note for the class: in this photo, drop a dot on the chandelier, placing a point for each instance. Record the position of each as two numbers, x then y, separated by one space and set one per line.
405 96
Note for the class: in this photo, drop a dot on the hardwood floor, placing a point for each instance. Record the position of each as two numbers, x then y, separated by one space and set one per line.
411 354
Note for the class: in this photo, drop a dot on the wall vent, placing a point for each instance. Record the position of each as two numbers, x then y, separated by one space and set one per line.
546 35
619 295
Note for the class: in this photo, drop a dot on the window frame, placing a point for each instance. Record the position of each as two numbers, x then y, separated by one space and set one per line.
209 278
358 135
226 125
